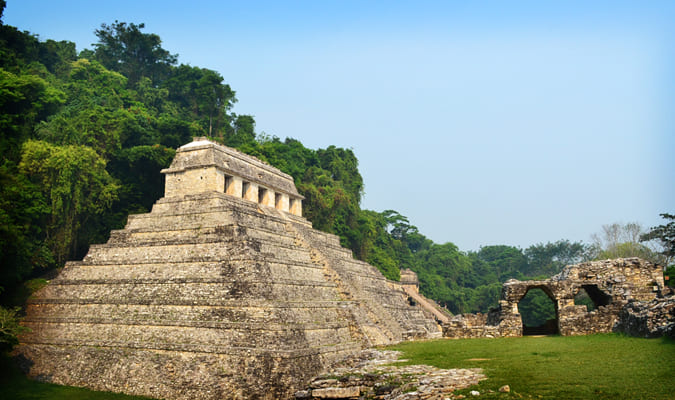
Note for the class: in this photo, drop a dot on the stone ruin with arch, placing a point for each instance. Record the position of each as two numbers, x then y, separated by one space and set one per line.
628 295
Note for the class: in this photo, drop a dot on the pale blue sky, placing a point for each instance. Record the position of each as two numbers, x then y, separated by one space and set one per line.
484 123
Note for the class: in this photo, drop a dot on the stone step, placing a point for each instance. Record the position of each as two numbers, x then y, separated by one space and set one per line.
132 351
225 212
203 220
293 304
254 250
230 326
320 238
278 269
162 336
326 313
192 235
152 293
223 281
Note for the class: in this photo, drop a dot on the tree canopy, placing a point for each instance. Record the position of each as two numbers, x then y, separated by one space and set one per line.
626 240
665 235
125 49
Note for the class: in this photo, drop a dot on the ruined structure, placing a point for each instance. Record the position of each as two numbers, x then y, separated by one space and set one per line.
611 285
648 319
222 291
411 286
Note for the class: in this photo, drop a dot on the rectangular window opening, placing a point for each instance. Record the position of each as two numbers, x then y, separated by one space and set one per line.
229 181
245 187
262 192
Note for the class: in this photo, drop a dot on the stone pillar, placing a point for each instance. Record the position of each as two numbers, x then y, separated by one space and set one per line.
233 186
266 197
295 207
281 202
250 191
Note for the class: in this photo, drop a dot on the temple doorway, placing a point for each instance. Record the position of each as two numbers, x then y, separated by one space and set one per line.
538 312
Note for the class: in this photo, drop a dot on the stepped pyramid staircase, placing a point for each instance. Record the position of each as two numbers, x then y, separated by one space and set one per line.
212 296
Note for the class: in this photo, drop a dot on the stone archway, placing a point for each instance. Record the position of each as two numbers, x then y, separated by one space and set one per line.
538 311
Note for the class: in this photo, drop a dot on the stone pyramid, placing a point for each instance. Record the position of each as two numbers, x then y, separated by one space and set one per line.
222 291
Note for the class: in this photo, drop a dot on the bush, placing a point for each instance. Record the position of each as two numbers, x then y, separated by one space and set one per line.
10 328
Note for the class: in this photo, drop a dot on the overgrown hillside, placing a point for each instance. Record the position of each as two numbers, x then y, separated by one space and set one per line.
84 135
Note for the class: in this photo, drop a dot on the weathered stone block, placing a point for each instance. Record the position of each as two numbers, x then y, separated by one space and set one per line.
337 392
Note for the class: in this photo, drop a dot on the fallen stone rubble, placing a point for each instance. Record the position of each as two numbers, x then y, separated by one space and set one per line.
374 375
648 319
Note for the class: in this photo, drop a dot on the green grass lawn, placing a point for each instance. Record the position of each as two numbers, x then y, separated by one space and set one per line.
581 367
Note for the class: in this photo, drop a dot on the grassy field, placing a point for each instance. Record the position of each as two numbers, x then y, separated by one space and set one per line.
555 367
580 367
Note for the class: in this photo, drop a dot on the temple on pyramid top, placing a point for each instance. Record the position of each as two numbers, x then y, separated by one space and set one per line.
206 166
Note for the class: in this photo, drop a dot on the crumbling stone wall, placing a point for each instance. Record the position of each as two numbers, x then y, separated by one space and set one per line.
611 284
648 319
213 296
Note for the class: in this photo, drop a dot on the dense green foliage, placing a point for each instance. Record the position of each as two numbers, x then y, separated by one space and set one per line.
84 136
607 366
9 327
